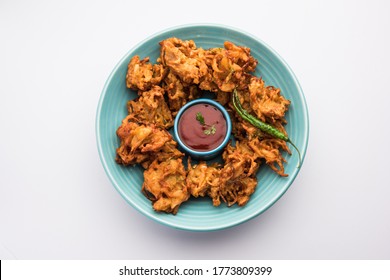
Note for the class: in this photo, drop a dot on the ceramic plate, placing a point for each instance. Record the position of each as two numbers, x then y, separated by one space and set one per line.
200 214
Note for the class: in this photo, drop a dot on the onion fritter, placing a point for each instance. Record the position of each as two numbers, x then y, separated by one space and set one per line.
178 92
228 68
142 143
242 159
164 184
202 179
182 58
234 183
150 107
238 181
235 189
270 150
267 102
142 75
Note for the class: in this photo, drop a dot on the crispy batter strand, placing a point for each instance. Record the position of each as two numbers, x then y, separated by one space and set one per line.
270 150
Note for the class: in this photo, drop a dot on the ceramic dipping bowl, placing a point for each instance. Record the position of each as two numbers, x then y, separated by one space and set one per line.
202 128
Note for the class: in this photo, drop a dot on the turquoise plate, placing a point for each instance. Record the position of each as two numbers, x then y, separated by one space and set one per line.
200 214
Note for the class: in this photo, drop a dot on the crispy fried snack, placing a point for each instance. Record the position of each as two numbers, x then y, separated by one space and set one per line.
270 149
202 179
235 190
269 106
164 184
183 59
267 102
238 181
150 107
234 183
242 159
142 75
241 56
228 68
178 92
143 144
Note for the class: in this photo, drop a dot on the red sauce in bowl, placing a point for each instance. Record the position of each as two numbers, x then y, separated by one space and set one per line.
202 137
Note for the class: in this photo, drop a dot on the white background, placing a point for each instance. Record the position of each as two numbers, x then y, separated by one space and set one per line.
56 201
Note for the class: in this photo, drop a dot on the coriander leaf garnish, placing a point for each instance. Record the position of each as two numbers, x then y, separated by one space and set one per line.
211 129
200 118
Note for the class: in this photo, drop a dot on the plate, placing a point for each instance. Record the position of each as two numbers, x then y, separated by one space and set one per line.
200 214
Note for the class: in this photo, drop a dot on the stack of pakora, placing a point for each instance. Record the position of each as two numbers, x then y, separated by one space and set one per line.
183 72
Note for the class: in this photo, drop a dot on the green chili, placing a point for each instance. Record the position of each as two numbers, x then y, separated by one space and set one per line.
267 128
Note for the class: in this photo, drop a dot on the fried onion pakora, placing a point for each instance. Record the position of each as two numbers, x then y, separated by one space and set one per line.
178 92
183 72
183 59
142 75
242 158
150 107
238 174
270 149
165 185
141 144
229 67
216 69
235 190
234 183
220 184
267 102
202 179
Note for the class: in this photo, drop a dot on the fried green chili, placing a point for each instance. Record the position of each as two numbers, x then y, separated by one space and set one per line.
267 128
